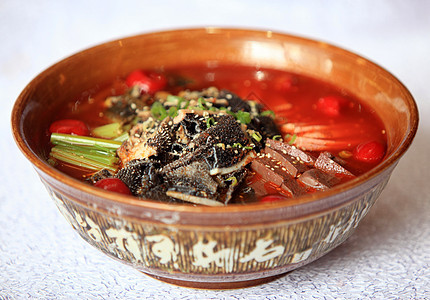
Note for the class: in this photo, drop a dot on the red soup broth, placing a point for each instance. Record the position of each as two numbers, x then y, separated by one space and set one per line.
311 114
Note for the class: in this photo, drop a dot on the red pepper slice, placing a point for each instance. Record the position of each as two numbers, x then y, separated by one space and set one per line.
370 152
69 126
285 83
331 105
114 185
149 82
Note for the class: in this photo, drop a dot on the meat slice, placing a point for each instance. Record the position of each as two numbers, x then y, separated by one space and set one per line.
296 171
318 180
329 164
293 164
270 170
287 149
293 187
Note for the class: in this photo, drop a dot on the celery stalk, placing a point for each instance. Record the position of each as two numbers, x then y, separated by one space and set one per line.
101 157
87 152
84 141
81 161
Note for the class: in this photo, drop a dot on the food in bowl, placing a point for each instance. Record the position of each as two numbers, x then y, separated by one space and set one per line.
217 135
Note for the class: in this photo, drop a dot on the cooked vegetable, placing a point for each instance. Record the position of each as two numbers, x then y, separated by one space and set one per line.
108 131
369 152
113 185
148 82
86 152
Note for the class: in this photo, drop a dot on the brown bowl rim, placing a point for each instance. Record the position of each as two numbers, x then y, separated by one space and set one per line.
316 199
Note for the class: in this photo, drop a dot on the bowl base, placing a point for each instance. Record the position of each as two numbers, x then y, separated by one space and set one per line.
216 285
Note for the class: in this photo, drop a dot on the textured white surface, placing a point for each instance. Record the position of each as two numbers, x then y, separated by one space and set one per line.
41 257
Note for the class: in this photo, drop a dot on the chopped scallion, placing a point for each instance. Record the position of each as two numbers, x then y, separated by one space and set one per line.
256 136
210 122
202 103
158 111
293 139
243 117
173 111
233 180
269 113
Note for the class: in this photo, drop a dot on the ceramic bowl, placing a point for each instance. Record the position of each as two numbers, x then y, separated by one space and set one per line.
213 247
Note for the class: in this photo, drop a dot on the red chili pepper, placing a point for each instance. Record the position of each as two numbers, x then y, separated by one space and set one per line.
272 198
113 185
285 83
331 105
69 126
370 152
149 82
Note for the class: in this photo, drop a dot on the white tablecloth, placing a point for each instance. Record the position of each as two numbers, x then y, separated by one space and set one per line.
42 257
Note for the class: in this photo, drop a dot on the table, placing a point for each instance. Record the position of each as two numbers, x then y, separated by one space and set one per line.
388 257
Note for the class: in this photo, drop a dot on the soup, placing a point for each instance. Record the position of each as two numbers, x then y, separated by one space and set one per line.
217 135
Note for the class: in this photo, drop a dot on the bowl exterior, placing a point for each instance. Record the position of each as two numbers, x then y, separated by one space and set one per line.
214 256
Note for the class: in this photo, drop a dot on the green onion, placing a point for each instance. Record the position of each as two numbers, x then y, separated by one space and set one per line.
173 111
237 145
187 103
210 122
172 98
233 180
268 113
243 117
256 136
108 131
277 137
228 111
202 103
292 140
158 111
